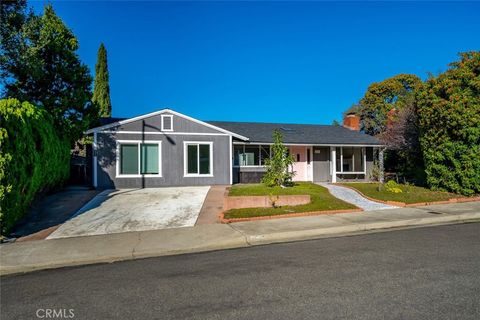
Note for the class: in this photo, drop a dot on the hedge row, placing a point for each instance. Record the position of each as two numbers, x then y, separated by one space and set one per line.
33 158
449 114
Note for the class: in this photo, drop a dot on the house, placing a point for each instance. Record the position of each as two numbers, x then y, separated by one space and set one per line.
167 148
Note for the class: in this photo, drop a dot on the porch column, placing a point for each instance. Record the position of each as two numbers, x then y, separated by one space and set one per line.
333 160
380 165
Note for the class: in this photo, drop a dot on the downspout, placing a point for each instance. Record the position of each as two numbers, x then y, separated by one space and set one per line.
94 151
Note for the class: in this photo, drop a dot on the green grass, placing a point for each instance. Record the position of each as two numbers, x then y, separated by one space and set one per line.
321 200
410 194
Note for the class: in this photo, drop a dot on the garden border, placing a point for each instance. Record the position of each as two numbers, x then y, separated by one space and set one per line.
418 204
286 215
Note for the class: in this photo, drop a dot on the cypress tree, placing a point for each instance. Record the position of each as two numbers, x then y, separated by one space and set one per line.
101 90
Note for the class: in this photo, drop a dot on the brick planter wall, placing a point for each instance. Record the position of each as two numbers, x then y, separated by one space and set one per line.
263 201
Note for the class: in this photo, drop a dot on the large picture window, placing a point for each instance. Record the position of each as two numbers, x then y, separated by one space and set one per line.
250 155
139 159
350 160
198 159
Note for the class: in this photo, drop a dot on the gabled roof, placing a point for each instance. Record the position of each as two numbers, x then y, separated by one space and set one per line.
258 132
298 133
113 122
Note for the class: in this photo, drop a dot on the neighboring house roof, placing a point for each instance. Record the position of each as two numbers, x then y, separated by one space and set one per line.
298 133
106 121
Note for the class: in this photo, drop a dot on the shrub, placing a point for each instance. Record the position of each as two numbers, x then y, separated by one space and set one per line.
449 114
278 164
393 187
33 158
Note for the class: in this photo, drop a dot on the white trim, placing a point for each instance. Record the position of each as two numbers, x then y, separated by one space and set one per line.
311 144
341 159
231 159
138 143
185 164
152 114
171 122
351 172
333 162
95 178
364 151
167 133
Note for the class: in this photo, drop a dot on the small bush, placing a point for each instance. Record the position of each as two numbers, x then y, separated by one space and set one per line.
33 158
393 187
278 164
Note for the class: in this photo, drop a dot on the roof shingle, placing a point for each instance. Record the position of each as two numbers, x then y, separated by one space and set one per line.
298 133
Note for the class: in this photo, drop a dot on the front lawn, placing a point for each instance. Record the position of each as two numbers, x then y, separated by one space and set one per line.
321 200
409 194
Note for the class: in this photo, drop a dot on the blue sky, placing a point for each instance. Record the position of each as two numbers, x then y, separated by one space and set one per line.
264 61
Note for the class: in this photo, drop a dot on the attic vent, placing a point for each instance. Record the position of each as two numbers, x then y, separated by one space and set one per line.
287 129
167 122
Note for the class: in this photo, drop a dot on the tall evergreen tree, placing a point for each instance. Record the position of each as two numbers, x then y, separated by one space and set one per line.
101 89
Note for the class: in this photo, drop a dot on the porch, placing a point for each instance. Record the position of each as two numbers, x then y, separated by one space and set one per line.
315 163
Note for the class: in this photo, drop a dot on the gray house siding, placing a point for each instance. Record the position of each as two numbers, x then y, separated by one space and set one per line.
172 153
153 124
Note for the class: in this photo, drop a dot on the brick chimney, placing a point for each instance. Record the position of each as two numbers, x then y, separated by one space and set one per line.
391 117
351 121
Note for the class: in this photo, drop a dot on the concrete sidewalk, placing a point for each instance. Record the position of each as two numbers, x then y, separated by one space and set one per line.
44 254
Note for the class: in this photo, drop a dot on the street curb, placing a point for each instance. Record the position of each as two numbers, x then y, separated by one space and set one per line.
291 236
11 270
146 245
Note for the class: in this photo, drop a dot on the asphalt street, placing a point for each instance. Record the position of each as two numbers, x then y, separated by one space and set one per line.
424 273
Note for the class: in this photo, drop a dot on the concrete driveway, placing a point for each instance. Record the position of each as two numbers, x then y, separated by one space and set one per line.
115 211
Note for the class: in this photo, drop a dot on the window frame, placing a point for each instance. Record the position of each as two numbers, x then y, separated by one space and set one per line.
185 159
260 158
363 155
163 116
138 143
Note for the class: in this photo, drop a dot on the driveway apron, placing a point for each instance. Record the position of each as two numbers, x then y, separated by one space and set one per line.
127 210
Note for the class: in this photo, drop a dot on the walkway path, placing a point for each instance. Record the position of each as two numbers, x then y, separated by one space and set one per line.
353 197
212 207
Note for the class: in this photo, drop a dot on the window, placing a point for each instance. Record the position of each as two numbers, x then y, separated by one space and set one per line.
350 160
129 159
264 154
250 155
167 122
238 155
198 158
149 159
137 159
